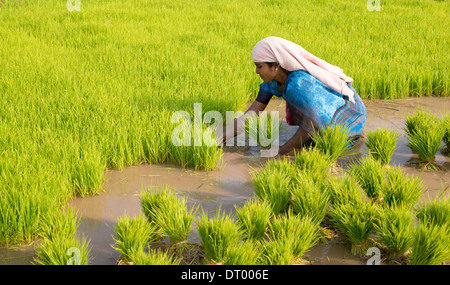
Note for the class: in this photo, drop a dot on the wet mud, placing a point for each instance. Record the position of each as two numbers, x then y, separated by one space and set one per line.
231 185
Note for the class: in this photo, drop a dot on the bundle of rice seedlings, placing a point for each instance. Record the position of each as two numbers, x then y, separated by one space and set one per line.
344 190
277 253
151 200
264 129
381 144
217 235
425 133
253 218
314 162
371 175
154 257
308 199
446 138
299 233
355 221
174 218
431 245
133 235
272 184
394 226
435 213
401 189
244 253
332 141
59 243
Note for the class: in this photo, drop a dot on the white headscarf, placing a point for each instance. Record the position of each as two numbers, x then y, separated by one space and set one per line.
293 57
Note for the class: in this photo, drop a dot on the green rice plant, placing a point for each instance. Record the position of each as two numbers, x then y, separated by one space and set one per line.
217 234
425 134
154 257
59 244
333 141
253 218
431 245
272 184
355 221
401 189
263 128
151 200
173 217
371 175
277 253
344 190
381 144
299 233
313 161
437 212
308 199
244 253
133 235
394 226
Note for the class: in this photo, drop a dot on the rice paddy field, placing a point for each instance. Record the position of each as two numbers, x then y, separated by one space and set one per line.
89 173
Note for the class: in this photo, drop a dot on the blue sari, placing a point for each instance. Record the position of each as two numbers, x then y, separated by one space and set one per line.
314 106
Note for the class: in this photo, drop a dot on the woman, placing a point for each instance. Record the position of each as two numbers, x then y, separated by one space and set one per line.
317 93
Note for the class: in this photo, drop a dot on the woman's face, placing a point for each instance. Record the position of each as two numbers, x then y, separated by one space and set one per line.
266 72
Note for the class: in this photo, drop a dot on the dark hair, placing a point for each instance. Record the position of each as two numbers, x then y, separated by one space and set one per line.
270 64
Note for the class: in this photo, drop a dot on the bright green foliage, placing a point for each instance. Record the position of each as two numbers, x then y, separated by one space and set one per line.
381 144
437 212
133 235
395 227
253 218
370 174
431 245
154 257
218 234
332 141
244 253
344 190
401 189
314 162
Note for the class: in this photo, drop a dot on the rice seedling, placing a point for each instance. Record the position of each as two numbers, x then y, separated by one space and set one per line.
394 226
264 129
314 162
253 218
355 221
344 190
272 184
244 253
425 134
151 200
277 253
174 218
59 243
154 257
299 233
381 144
371 175
437 212
401 189
431 245
133 235
308 199
218 234
332 141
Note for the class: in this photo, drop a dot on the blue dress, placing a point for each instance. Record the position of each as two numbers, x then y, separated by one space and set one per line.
314 106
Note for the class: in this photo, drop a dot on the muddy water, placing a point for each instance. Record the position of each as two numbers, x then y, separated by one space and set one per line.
231 185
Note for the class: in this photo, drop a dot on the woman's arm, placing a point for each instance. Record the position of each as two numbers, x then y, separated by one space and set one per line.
232 130
298 139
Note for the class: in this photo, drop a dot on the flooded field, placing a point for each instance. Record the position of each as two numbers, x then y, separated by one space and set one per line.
231 185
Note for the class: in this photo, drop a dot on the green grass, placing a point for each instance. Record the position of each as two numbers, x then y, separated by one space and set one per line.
253 218
217 234
436 212
401 189
344 190
133 235
425 133
381 144
431 245
395 228
244 253
314 162
154 257
371 175
332 141
95 89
